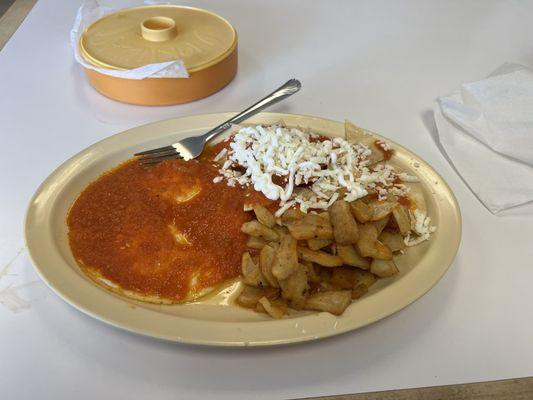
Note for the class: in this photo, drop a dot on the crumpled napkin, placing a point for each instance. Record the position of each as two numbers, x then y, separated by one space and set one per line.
90 11
486 130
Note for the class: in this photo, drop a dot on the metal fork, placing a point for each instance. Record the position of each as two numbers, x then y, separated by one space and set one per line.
192 147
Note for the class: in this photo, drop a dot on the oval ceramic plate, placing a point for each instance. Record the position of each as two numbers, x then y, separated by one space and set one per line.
215 320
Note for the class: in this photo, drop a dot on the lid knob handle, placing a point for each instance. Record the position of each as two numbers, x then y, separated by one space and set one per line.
158 29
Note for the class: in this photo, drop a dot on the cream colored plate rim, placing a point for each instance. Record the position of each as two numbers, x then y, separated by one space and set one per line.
56 269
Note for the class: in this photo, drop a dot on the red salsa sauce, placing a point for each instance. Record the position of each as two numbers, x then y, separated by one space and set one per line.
387 153
123 226
405 201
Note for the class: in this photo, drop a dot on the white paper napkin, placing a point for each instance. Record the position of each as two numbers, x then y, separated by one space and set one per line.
486 129
90 11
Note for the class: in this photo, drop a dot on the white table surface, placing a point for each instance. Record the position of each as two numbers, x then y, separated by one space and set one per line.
379 63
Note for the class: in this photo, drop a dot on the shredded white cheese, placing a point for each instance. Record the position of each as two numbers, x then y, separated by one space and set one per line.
221 154
284 208
277 161
408 178
421 226
384 145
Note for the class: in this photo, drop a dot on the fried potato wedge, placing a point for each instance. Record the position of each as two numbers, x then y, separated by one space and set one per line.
368 235
255 242
381 209
325 215
369 246
312 271
394 241
325 274
361 211
311 226
345 229
334 302
266 262
250 295
255 228
251 273
264 216
317 244
383 268
319 257
286 260
359 290
281 230
381 224
342 278
381 251
275 309
295 287
291 216
326 287
364 277
274 245
350 257
402 219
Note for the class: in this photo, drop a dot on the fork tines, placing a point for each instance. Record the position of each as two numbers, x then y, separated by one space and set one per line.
157 155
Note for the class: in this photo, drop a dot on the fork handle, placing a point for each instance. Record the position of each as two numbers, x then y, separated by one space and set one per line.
287 89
